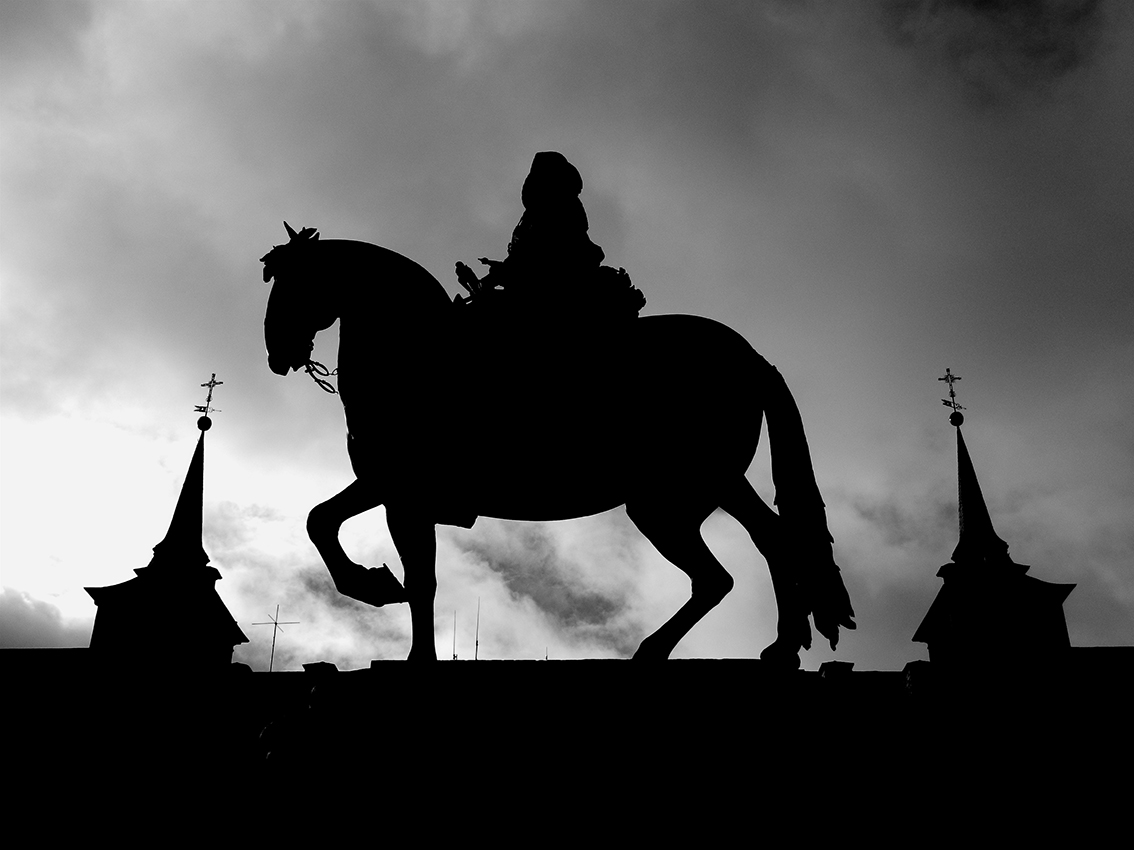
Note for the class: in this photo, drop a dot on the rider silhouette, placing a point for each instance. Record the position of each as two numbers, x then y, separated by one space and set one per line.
550 247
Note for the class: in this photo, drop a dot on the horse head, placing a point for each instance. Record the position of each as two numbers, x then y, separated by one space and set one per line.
293 316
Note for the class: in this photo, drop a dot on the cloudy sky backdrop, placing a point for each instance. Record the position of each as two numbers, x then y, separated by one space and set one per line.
870 192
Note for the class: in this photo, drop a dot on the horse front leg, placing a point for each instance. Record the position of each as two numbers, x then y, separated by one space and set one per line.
415 537
374 586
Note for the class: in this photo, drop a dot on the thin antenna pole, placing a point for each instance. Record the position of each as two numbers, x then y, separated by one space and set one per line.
476 650
275 621
272 657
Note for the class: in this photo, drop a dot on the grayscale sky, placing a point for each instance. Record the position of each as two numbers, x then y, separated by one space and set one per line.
870 192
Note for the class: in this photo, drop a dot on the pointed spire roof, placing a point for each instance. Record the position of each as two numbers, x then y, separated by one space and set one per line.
181 546
177 584
978 542
987 600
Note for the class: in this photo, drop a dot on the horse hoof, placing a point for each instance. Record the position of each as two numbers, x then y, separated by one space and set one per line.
375 586
780 656
647 652
384 586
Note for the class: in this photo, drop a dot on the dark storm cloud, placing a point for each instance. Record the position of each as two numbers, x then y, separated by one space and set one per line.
684 87
531 567
649 61
330 626
363 621
40 36
1000 48
227 525
316 582
30 622
927 522
527 559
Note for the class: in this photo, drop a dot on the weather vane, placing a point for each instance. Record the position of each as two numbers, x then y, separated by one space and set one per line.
956 417
205 423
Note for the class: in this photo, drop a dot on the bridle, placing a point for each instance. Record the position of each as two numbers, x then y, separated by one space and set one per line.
319 373
307 235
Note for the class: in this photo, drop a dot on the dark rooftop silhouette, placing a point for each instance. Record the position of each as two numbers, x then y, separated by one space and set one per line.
987 603
177 586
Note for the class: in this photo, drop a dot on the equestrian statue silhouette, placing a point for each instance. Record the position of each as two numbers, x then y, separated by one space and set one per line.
563 416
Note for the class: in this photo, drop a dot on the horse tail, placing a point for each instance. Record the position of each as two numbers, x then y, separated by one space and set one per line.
803 513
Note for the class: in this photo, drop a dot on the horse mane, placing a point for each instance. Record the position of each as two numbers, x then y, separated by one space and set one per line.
306 255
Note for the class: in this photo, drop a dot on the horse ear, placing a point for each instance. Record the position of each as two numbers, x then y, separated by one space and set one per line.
290 232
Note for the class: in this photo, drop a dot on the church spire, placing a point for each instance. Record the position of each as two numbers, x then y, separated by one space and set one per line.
978 542
181 546
987 603
177 585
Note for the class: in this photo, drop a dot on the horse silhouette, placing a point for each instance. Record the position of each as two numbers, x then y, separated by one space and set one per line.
560 418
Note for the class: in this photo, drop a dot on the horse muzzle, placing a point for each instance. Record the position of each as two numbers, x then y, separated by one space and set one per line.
287 357
281 366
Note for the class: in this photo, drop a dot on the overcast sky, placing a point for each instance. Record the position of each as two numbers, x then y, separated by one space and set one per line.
870 192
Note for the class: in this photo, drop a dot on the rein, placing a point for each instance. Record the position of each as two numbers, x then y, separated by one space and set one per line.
319 373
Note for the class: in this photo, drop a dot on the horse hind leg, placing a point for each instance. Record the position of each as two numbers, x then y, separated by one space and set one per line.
677 535
765 527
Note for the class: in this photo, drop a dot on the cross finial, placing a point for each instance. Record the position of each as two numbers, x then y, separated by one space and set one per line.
204 423
956 417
